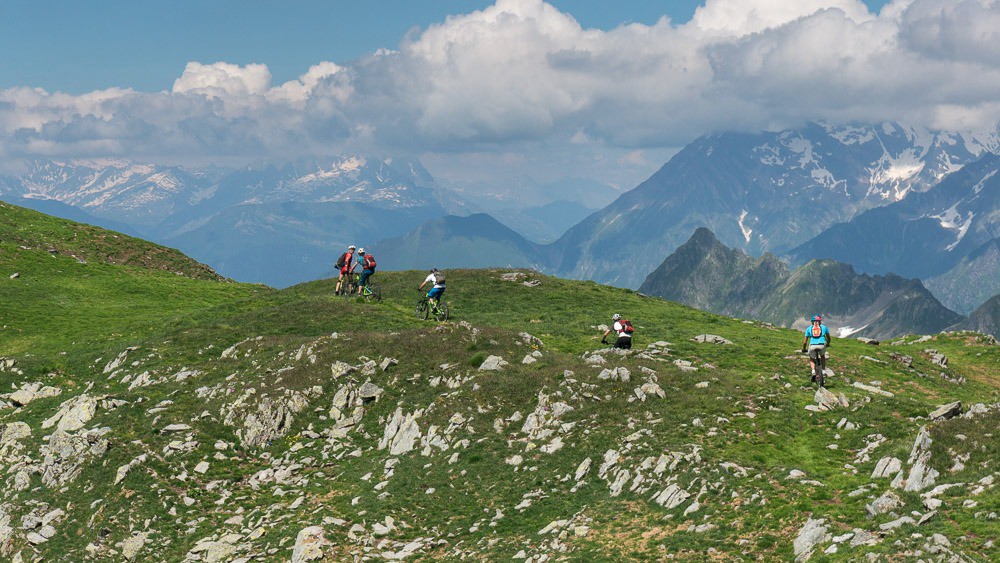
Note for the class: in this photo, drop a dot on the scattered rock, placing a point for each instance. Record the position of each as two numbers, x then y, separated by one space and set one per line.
947 411
133 545
828 401
711 339
813 533
888 502
401 434
902 520
369 392
936 358
30 392
309 544
73 414
903 359
887 467
671 497
493 363
872 389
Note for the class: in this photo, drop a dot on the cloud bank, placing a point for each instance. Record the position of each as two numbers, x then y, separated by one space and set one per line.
521 77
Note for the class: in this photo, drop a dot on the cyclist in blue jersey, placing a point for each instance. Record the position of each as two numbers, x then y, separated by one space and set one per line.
816 341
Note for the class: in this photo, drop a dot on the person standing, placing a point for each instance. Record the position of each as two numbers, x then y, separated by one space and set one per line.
816 341
346 265
624 330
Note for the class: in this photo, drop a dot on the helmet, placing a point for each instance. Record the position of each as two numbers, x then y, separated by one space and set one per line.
350 247
616 317
817 318
434 270
361 251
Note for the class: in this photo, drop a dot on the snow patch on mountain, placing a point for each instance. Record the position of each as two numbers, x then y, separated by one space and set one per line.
845 331
743 228
952 220
769 155
891 175
824 177
800 146
979 186
849 135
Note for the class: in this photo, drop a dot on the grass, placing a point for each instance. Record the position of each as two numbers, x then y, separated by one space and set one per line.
751 419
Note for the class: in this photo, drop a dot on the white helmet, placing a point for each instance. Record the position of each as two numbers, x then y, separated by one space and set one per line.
616 317
361 251
350 247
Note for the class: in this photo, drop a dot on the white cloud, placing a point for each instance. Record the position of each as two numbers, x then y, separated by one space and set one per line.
744 17
522 78
223 80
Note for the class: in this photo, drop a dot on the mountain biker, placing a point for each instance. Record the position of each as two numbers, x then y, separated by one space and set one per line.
436 277
367 267
346 265
816 341
624 330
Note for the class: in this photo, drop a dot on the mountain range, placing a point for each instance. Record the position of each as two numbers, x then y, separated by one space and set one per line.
764 192
872 196
284 224
950 233
705 274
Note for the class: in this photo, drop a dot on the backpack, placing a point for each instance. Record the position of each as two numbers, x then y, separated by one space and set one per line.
439 278
817 331
369 262
627 326
341 262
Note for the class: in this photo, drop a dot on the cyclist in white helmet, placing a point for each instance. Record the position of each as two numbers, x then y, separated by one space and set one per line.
624 330
436 278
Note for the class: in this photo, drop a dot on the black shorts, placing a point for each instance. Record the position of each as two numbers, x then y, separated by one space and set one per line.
624 342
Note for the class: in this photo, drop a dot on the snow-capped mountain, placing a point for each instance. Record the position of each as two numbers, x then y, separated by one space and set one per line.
928 235
762 192
140 195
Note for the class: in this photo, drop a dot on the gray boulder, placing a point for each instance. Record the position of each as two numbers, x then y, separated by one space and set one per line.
813 533
309 544
884 504
73 414
887 467
711 339
492 363
944 412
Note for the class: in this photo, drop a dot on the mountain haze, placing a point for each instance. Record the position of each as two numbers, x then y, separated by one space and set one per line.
477 241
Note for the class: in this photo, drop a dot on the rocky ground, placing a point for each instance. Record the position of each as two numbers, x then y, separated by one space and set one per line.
458 441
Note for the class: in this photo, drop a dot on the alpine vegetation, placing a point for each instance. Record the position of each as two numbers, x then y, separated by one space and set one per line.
214 421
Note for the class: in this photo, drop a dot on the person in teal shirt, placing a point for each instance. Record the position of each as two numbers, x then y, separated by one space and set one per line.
816 341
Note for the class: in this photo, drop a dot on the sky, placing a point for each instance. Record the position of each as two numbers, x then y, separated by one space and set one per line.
477 90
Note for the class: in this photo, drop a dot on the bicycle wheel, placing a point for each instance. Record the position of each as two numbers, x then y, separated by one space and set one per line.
442 312
349 291
422 309
373 293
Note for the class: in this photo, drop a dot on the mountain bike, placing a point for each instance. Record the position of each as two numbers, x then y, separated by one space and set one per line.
424 309
371 292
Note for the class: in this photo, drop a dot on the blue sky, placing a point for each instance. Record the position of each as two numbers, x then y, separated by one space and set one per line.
77 47
477 90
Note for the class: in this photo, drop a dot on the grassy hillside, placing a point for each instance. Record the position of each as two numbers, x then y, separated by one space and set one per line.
249 429
67 286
